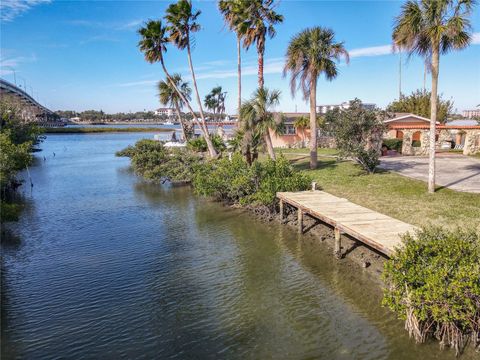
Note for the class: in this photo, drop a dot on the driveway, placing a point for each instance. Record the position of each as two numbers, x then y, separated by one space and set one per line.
457 172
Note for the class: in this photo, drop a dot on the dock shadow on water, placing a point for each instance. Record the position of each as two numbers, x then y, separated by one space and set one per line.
114 267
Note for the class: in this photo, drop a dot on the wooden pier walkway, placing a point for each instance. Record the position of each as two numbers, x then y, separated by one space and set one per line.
376 230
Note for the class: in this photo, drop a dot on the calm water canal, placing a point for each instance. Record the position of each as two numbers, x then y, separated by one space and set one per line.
107 266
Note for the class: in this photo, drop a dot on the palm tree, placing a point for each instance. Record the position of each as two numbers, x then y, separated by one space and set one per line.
260 21
234 14
169 97
153 44
215 101
258 118
311 53
430 28
210 103
182 22
302 123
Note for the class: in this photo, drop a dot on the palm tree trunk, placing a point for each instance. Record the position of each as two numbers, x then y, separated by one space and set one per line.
260 70
195 119
179 115
239 67
313 123
433 119
211 149
268 143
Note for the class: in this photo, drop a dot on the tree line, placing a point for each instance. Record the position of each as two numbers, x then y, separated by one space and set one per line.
425 28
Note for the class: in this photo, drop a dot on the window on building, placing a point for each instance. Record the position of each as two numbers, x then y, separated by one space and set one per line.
289 130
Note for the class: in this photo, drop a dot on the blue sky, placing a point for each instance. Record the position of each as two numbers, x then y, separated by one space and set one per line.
83 54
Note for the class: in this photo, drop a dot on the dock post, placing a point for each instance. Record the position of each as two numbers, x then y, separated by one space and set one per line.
281 209
300 220
338 244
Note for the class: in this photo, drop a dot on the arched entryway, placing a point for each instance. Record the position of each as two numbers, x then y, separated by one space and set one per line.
417 139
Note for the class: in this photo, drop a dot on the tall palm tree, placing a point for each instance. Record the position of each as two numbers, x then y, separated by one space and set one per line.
257 115
182 22
310 53
234 14
153 44
169 97
430 28
260 21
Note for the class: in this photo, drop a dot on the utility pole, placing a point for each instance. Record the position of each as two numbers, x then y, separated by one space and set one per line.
425 77
400 77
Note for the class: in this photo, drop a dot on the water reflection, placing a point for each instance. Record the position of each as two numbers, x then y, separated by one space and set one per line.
117 267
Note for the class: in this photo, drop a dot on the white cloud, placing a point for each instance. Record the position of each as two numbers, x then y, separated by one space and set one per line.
10 9
272 66
130 25
138 83
476 38
99 38
371 51
10 63
115 26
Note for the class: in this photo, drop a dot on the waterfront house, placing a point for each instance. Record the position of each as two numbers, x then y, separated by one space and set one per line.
164 111
414 132
290 137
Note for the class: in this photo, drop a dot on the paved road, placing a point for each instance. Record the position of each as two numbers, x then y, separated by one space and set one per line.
458 172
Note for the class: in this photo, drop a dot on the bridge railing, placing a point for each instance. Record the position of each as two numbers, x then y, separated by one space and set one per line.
8 86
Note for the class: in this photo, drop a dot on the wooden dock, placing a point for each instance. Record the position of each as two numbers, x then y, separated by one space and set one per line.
376 230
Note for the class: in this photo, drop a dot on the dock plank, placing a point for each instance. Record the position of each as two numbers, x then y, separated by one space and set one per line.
376 230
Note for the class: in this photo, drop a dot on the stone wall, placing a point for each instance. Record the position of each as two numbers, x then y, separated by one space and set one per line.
472 142
471 146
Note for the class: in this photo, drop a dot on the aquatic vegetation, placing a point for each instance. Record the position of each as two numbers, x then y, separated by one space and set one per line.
232 180
200 145
433 283
17 141
236 182
151 160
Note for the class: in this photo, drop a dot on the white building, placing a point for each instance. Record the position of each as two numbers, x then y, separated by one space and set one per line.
469 114
323 109
164 111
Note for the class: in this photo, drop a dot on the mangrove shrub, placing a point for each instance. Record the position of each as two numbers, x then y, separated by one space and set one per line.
235 181
17 140
433 283
151 160
200 145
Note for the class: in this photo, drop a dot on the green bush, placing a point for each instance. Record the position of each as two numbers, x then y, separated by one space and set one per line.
235 182
433 283
368 159
200 145
416 143
274 176
354 130
150 159
225 180
393 144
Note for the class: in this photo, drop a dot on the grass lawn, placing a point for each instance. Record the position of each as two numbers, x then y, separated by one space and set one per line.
392 194
321 151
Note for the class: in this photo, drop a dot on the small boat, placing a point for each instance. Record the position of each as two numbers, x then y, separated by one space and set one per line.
175 144
168 123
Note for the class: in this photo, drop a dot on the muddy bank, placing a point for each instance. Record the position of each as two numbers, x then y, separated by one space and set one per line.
317 233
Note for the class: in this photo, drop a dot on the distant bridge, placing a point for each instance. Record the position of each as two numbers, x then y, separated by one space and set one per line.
32 109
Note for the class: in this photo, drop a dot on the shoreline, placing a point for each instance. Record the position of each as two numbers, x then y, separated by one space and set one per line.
92 130
320 234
